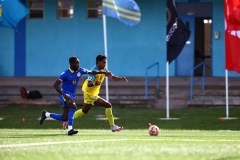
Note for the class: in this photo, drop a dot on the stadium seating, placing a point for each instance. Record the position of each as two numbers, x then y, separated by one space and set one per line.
127 94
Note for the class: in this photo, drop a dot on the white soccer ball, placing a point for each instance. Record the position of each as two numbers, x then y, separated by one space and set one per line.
153 130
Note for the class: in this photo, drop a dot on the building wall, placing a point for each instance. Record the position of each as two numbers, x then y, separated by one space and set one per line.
218 56
6 52
218 50
51 41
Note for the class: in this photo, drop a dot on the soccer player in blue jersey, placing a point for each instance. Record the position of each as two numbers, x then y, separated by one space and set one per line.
91 89
66 86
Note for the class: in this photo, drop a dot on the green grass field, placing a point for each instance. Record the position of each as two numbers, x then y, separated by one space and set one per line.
39 144
198 134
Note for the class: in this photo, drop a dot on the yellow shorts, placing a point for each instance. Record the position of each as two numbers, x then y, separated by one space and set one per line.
90 99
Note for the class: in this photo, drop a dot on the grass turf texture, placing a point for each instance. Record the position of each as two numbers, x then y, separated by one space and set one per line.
129 118
96 144
198 134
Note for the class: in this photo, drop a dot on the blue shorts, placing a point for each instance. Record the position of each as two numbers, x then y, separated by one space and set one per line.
63 100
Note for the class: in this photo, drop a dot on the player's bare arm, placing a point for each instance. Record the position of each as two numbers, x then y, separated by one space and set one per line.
56 85
99 72
117 78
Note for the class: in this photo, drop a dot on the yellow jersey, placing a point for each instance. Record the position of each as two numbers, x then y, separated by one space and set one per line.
94 90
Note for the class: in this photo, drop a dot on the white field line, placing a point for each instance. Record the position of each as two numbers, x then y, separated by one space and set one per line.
189 140
52 143
104 118
113 140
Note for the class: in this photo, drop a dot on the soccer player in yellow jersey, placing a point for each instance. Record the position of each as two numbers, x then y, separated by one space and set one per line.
91 88
66 86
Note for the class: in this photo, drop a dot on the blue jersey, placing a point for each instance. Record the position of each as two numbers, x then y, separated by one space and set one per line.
70 80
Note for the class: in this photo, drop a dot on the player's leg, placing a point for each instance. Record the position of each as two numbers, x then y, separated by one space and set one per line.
60 117
108 111
66 110
72 109
88 103
65 117
79 113
46 115
55 116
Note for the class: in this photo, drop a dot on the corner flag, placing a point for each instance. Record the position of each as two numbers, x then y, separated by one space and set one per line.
126 11
11 13
232 34
177 32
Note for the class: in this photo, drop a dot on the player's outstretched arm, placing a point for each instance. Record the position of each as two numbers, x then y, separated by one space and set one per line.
117 78
99 72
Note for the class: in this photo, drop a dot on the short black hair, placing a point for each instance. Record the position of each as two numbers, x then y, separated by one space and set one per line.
100 58
72 59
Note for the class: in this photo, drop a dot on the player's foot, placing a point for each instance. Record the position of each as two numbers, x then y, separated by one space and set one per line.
64 125
43 117
71 132
116 128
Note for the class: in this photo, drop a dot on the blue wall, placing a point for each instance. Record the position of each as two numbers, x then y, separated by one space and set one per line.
218 54
218 46
51 41
6 52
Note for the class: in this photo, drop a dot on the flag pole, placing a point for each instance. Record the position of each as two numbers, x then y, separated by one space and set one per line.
167 90
226 84
105 51
167 95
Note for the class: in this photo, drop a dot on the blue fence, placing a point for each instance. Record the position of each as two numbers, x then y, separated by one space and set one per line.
149 80
193 81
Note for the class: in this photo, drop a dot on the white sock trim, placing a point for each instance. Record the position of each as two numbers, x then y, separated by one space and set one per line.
47 114
70 128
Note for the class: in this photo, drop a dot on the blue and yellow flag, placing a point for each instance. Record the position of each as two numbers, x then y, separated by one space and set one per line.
0 10
11 13
127 11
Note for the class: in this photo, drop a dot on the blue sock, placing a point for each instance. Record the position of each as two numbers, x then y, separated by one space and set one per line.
70 117
56 116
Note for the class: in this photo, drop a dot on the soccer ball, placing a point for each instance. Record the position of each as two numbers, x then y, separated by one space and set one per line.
153 130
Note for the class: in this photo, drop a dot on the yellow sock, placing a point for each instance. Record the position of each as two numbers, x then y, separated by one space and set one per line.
108 112
78 113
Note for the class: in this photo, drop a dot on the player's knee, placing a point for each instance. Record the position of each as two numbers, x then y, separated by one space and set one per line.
72 106
85 111
65 119
108 105
75 108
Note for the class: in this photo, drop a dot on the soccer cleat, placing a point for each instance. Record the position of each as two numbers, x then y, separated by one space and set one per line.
64 125
71 132
43 117
116 128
